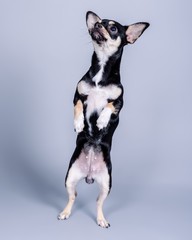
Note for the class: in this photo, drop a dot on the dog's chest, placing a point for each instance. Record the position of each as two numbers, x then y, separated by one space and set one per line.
98 96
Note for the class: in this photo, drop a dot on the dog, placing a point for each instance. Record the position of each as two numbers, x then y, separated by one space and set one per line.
98 101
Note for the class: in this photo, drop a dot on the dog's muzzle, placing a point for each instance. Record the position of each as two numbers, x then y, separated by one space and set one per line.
96 33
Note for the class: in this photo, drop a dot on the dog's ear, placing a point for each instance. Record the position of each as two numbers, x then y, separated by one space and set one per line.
134 31
91 19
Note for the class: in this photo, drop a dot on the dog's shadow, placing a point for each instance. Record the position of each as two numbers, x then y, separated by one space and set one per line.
35 181
32 179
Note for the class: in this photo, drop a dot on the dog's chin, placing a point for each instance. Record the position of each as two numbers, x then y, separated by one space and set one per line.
98 37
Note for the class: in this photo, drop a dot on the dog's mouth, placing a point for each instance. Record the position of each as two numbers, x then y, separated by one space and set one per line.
97 36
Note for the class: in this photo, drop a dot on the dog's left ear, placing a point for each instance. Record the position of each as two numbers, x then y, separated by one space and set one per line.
134 31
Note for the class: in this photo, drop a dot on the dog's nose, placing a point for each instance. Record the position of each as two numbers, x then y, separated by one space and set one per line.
98 25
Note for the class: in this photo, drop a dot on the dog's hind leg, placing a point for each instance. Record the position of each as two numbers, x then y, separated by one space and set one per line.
73 177
104 182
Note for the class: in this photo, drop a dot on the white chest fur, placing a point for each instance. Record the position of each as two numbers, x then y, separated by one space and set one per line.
97 96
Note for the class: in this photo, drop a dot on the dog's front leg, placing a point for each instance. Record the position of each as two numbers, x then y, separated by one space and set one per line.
105 116
78 116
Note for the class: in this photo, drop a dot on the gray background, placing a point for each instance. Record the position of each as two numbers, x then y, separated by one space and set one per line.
44 50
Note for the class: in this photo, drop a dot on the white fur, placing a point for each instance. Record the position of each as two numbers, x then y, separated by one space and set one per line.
104 118
74 176
98 77
106 49
97 96
89 164
104 52
103 58
97 99
111 91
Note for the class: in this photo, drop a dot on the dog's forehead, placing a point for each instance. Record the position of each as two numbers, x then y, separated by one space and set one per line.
111 22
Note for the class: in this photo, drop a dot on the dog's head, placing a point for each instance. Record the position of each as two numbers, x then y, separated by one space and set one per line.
110 35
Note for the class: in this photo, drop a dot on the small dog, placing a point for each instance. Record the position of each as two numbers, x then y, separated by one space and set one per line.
97 103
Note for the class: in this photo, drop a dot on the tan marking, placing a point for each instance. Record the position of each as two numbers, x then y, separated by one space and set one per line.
78 109
110 105
111 23
105 33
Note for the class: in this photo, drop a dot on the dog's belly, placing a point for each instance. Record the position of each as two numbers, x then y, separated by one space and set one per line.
91 163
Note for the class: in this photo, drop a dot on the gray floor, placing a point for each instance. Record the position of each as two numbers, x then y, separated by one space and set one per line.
41 42
135 211
136 207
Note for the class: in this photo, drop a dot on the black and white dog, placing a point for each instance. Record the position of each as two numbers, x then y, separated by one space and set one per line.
97 102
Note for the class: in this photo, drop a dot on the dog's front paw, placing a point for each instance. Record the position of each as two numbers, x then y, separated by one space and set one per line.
79 123
104 118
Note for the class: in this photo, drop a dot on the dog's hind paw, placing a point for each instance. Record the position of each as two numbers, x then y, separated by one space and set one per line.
103 223
63 215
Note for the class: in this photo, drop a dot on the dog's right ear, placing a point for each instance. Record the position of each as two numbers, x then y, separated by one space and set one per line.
91 19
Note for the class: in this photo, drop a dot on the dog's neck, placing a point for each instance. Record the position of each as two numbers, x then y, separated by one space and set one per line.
104 66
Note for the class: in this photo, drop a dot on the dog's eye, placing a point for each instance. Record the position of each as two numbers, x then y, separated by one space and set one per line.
113 29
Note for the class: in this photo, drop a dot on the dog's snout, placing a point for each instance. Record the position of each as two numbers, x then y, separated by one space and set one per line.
98 25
